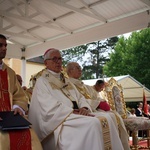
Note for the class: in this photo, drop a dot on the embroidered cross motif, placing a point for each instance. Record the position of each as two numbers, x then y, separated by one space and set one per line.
104 123
62 78
46 75
106 133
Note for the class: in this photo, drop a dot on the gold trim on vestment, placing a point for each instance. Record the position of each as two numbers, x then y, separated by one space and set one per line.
118 122
42 141
62 85
106 133
4 140
83 91
80 87
35 143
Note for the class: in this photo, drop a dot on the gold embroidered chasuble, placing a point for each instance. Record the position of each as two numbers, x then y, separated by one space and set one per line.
95 99
65 87
81 87
56 111
60 83
88 92
94 103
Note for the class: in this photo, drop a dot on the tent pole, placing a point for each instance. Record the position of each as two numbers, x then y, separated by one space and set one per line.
23 66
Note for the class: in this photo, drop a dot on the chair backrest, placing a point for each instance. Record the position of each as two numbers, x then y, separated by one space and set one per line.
115 97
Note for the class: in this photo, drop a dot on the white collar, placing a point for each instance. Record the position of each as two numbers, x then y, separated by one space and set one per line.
57 75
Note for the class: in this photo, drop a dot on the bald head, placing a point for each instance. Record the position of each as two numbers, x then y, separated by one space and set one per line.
73 70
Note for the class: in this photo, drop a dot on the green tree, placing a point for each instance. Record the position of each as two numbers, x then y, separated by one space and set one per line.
74 54
131 56
91 57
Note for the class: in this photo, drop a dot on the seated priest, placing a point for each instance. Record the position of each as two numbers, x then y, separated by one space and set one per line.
98 104
62 117
12 98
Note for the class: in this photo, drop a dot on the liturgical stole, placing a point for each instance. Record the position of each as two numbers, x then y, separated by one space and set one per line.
19 139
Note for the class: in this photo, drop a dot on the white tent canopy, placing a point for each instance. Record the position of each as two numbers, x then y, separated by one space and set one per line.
36 25
132 89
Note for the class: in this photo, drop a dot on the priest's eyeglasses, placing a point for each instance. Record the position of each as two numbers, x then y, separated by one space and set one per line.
55 59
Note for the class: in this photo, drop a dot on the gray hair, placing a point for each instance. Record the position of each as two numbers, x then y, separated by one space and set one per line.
48 52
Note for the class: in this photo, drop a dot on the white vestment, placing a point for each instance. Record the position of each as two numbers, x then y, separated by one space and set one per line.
57 127
94 98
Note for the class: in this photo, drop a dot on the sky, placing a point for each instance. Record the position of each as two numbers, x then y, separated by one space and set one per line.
126 34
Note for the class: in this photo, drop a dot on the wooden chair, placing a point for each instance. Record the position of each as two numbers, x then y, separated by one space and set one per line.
116 100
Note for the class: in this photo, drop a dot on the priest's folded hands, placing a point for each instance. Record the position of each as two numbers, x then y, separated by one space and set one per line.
83 111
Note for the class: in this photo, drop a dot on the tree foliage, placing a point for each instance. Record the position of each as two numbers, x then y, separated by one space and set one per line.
91 57
131 56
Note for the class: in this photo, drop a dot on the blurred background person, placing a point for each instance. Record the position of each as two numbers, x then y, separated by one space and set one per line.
133 112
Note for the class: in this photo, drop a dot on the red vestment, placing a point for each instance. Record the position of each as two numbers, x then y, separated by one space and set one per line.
19 139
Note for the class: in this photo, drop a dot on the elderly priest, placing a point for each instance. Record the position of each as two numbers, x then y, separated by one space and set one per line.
61 116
